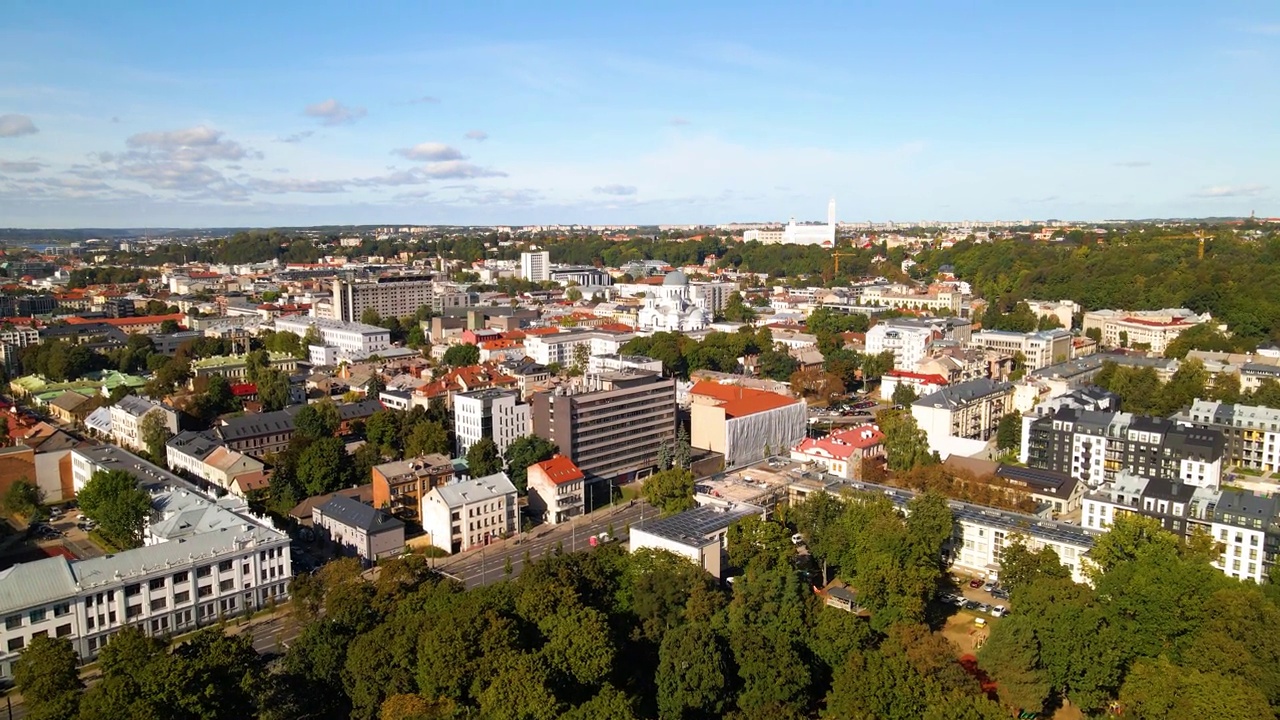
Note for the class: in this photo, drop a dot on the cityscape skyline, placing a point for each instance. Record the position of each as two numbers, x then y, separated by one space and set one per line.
176 117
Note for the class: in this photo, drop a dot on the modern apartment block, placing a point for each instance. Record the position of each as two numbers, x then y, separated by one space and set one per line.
1040 349
908 343
204 560
1094 447
471 513
1252 433
352 340
535 266
392 296
610 425
1246 525
496 414
960 419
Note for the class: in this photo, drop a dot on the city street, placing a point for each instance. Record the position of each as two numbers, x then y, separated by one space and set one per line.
485 565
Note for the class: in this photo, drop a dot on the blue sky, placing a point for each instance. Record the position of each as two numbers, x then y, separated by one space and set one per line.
283 113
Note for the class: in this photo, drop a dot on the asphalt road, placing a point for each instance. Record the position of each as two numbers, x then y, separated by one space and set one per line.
486 565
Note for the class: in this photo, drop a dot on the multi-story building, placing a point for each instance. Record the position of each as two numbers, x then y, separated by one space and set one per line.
1064 311
584 275
556 490
743 424
12 340
562 347
399 486
1252 433
1152 329
352 340
960 419
471 513
236 367
203 561
359 529
614 361
261 434
1094 447
1040 349
937 298
842 452
611 425
1246 525
203 455
535 266
908 343
496 414
127 415
700 534
393 296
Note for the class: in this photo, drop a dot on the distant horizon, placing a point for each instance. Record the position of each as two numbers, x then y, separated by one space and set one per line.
292 114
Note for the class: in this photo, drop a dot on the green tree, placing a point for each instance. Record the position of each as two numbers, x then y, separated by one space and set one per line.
425 438
315 421
573 294
1129 537
461 355
47 676
756 540
324 466
526 451
1019 567
735 310
669 490
692 675
23 497
904 395
1009 432
777 364
906 445
1159 689
273 389
154 434
113 499
483 458
370 316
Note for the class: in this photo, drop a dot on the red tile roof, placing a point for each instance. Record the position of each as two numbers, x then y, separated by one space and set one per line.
128 321
560 470
931 378
739 401
843 443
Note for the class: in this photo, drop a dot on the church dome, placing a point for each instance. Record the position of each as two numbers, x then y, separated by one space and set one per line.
675 277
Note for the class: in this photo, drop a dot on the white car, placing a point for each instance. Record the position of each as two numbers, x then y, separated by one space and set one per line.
998 611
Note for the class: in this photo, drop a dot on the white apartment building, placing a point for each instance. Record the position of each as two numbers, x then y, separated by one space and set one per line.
126 420
471 513
393 296
352 340
1064 311
908 343
1252 433
556 490
495 414
535 266
12 341
562 347
1041 349
613 361
962 419
1154 329
204 561
936 299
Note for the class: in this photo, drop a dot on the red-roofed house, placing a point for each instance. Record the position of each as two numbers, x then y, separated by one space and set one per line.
922 383
556 490
843 451
146 324
744 424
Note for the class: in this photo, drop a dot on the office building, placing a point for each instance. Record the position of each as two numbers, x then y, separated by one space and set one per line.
610 425
496 414
535 266
352 340
1149 329
393 296
1040 349
743 424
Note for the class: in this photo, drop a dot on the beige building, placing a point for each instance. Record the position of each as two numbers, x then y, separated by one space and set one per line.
1040 349
556 490
962 419
1153 329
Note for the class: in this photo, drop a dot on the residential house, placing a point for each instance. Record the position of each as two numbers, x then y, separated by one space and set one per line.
843 452
471 513
359 529
556 490
399 486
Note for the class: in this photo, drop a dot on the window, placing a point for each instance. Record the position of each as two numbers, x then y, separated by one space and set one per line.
181 597
204 572
132 611
13 621
88 622
63 630
16 644
181 577
131 590
37 615
42 633
156 583
204 591
224 566
226 585
61 609
159 604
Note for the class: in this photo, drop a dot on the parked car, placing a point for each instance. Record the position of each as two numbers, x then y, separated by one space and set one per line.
998 611
1000 593
975 583
989 586
970 604
985 608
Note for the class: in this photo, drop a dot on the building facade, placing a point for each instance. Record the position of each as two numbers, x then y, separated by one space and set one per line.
744 424
496 414
399 486
1252 433
358 529
556 490
127 415
1040 349
535 266
908 343
961 419
393 296
351 340
471 513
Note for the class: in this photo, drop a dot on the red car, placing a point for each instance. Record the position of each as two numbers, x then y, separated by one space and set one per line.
975 583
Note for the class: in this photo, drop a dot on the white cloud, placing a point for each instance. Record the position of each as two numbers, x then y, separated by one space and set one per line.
1228 191
297 185
614 189
197 144
21 166
298 136
16 125
431 152
458 170
332 112
173 175
477 135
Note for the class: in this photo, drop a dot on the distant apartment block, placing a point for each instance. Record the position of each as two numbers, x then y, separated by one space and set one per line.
352 340
535 266
1153 329
393 296
1040 349
937 298
496 414
908 343
611 425
1252 433
962 419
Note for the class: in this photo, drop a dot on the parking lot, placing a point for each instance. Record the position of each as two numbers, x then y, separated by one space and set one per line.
988 598
56 536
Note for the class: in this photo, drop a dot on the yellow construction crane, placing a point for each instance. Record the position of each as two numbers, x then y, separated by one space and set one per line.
838 255
1201 235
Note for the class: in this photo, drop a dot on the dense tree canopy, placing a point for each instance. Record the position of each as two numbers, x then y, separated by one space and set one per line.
120 507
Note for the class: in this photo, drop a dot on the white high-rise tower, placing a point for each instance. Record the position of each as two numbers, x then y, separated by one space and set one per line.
831 213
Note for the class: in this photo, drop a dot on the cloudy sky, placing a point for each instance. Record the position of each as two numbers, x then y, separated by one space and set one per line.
183 114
